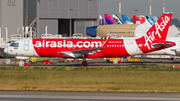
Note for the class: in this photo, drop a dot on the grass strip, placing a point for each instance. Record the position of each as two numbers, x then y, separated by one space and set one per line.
98 79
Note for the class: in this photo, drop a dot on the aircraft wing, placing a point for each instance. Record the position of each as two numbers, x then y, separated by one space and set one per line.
177 51
77 53
87 51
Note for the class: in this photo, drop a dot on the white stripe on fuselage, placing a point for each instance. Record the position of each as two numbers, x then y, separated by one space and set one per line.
131 47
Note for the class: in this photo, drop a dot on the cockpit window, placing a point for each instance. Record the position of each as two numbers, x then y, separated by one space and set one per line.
14 45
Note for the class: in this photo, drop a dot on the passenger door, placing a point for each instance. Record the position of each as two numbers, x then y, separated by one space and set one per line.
26 45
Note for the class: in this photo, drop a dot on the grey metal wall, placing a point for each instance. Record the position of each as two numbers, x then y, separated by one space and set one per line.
12 16
80 25
66 9
51 23
32 10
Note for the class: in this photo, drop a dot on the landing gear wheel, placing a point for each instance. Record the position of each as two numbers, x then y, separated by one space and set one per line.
84 63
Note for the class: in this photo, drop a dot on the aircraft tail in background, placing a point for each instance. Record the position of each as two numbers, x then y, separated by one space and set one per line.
144 20
155 18
150 20
117 19
109 19
125 19
136 20
102 21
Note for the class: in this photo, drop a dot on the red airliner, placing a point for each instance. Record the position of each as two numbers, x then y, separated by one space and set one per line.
153 40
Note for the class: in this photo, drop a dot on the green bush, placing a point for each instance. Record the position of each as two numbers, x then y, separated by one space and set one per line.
54 68
2 68
36 67
44 68
61 68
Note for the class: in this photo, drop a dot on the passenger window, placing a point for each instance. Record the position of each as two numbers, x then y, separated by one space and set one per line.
14 45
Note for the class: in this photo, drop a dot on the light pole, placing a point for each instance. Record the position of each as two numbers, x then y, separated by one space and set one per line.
150 8
70 22
119 8
163 6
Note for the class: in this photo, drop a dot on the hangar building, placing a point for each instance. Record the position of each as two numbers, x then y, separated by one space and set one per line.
11 17
63 17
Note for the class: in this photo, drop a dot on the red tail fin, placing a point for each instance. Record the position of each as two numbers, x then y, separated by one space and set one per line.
136 19
158 31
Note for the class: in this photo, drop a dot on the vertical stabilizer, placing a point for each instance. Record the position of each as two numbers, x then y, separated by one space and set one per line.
144 20
136 20
155 18
150 20
102 21
157 33
109 19
126 19
117 19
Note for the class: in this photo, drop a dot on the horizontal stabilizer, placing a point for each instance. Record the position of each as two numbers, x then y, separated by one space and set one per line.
163 44
177 51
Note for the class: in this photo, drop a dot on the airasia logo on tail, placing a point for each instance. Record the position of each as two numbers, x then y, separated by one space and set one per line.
156 33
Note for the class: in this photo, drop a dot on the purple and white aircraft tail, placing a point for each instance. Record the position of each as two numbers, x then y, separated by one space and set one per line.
102 21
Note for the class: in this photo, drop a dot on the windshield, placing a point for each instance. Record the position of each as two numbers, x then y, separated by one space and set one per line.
14 45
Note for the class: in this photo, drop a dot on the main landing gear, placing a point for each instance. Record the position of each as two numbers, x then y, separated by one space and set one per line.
84 63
